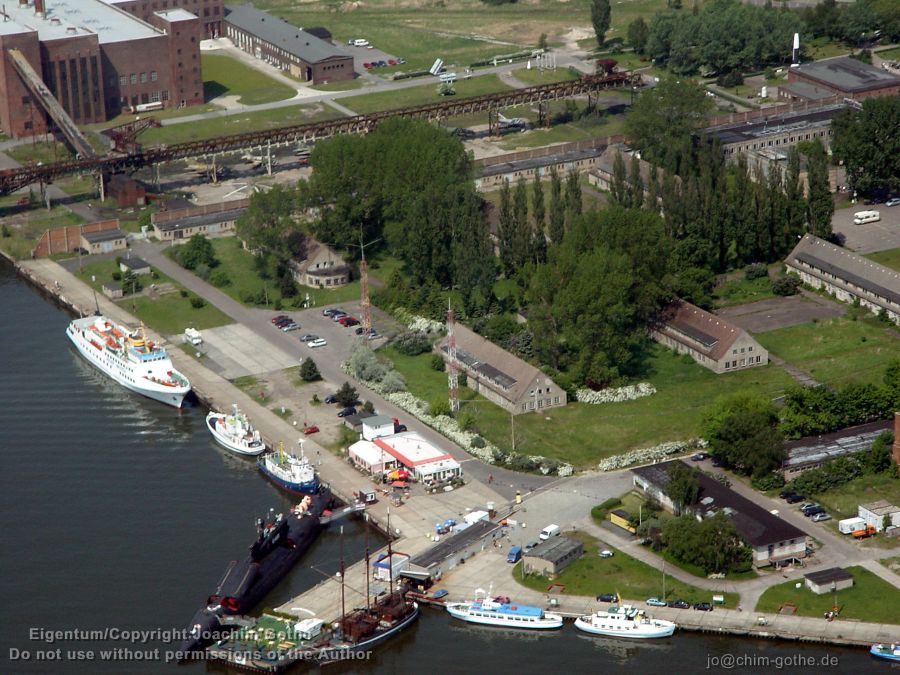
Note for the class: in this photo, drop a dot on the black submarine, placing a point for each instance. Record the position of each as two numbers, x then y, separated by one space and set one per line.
281 541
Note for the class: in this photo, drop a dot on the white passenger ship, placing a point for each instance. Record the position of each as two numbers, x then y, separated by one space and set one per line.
500 611
129 358
625 622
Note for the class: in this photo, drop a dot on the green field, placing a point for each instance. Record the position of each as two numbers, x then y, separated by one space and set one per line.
40 153
842 502
741 291
580 130
225 76
168 314
423 94
630 578
584 434
836 351
889 54
869 599
343 85
246 281
25 227
222 125
889 258
535 76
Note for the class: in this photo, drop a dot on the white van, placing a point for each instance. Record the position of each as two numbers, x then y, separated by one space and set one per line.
863 217
549 531
360 43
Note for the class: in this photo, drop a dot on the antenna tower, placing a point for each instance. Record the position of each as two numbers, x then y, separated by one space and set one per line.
364 289
452 369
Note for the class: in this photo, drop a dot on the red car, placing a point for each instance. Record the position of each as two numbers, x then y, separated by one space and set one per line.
312 429
367 66
348 321
280 317
391 62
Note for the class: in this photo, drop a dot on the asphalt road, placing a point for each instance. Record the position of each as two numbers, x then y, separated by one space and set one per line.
328 359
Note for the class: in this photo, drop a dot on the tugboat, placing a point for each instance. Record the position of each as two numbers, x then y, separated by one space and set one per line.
289 472
281 540
235 432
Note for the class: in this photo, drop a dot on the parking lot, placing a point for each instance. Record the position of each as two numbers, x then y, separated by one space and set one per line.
237 351
370 54
765 315
871 237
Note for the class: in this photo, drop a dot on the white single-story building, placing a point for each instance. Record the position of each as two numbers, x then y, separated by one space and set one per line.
370 458
377 426
825 581
874 514
426 462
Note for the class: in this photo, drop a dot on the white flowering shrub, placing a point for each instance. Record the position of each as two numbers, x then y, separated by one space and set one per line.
630 393
647 455
416 323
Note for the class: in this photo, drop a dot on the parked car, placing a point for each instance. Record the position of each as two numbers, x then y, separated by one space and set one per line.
607 597
530 545
703 606
819 517
679 604
331 398
400 60
794 498
283 322
893 201
656 602
308 337
699 456
330 312
784 494
716 462
605 553
392 62
311 429
367 66
318 342
280 317
815 511
809 506
349 410
338 315
373 335
348 321
288 327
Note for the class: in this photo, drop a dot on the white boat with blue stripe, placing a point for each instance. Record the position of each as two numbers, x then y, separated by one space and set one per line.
501 611
626 622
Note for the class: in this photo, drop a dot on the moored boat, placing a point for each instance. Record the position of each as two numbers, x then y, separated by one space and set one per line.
129 358
626 622
294 474
270 643
500 611
890 652
235 432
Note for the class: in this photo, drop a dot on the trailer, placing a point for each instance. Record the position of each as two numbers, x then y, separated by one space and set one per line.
851 525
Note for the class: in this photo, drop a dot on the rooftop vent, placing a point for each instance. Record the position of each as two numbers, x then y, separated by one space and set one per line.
71 30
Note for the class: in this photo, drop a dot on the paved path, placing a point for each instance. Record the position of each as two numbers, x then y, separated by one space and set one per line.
341 108
800 376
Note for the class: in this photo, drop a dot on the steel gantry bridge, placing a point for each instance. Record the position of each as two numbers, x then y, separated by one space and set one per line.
13 179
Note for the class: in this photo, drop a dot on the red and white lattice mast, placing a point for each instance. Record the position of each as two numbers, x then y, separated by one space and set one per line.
364 289
452 369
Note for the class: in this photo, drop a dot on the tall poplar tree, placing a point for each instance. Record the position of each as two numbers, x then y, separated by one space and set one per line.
820 205
573 198
618 187
557 209
636 183
600 18
506 229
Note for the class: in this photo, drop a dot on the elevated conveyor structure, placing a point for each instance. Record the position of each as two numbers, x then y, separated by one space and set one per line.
49 103
13 179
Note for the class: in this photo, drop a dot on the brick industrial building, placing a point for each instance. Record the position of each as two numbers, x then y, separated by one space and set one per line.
93 60
210 12
843 76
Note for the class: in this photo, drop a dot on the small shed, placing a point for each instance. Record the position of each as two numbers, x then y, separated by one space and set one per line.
622 518
112 290
134 264
377 426
552 556
370 458
875 514
825 581
355 421
386 567
104 241
126 191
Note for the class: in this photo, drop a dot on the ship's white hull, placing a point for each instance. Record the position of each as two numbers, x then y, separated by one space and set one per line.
216 420
636 631
127 377
547 622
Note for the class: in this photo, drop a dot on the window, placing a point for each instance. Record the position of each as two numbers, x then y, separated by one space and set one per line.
555 400
749 349
154 97
123 80
143 78
153 76
133 78
734 351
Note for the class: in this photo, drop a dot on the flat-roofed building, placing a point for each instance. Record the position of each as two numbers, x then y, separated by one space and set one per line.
711 341
826 581
427 462
880 515
846 275
841 75
502 377
552 556
104 241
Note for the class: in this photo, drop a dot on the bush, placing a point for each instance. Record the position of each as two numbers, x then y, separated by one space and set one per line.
197 302
219 278
369 407
769 482
202 271
364 365
5 231
786 285
437 363
465 419
755 271
309 371
276 305
478 442
439 406
183 293
117 276
393 382
412 343
732 79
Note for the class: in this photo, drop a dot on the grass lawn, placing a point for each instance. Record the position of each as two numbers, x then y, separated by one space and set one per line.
225 76
741 291
168 314
343 85
632 579
836 351
890 54
26 226
889 258
584 434
842 502
824 48
238 124
40 152
537 76
246 281
578 130
869 599
420 95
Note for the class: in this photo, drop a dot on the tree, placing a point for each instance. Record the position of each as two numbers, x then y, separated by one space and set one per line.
683 486
537 205
556 225
346 395
653 188
267 222
506 229
743 433
713 544
131 283
618 187
868 142
600 18
820 205
795 202
542 41
663 120
638 32
521 227
573 197
636 183
198 251
309 371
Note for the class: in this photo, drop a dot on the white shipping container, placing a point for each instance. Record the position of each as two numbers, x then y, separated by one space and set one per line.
849 525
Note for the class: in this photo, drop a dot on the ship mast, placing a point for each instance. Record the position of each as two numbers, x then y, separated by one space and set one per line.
390 557
343 610
366 517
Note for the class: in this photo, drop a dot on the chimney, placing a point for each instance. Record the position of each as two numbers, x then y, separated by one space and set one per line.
39 7
896 448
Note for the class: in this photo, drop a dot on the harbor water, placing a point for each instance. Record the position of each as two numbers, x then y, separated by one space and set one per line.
120 516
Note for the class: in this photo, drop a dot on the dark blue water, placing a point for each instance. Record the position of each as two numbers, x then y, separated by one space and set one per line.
120 513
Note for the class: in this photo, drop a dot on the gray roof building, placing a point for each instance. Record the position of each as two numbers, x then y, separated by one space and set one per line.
846 275
813 451
103 235
279 33
553 556
843 75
